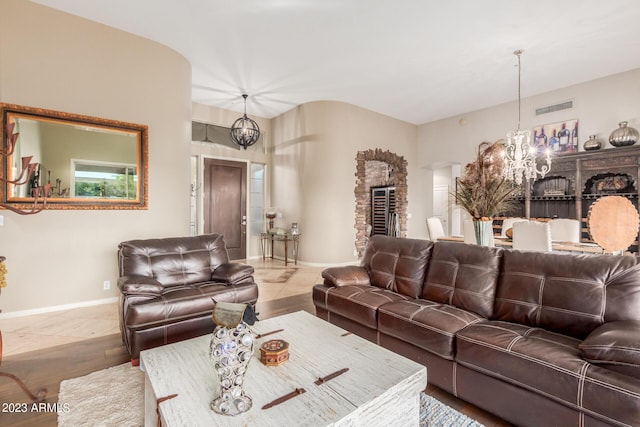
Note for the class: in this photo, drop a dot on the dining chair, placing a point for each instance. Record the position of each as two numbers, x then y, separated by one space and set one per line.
435 228
565 230
532 236
507 223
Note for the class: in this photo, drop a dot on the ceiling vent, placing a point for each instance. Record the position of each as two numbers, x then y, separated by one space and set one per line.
552 108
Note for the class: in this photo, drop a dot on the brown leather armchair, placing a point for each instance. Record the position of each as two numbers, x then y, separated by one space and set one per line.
168 287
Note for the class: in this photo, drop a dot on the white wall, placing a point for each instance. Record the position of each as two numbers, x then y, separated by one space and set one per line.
52 60
598 105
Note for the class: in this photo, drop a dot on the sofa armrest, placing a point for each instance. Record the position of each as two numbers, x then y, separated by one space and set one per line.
232 273
140 285
346 275
614 343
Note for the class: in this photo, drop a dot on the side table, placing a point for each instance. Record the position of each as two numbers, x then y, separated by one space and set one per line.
268 239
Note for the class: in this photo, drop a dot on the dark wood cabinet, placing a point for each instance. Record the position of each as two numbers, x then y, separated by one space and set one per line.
576 180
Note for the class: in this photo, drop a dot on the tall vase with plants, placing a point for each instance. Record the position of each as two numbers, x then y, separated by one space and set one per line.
483 190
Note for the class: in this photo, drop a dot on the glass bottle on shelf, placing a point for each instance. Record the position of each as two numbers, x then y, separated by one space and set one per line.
592 143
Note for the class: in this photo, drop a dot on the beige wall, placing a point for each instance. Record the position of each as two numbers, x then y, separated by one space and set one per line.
52 60
598 105
314 165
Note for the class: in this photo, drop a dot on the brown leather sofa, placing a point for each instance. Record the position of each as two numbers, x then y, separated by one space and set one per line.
168 286
539 339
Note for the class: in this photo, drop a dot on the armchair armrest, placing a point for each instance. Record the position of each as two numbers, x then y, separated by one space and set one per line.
346 275
140 285
614 343
232 273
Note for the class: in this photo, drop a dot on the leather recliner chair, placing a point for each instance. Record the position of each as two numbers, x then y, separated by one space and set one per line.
168 287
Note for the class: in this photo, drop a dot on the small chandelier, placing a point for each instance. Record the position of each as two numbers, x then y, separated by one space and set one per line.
244 131
520 156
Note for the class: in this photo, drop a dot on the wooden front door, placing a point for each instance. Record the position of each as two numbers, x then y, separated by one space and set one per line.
225 203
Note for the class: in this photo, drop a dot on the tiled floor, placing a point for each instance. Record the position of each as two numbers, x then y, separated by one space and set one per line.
38 331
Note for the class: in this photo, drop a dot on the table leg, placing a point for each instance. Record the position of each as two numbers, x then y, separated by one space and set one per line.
272 248
286 250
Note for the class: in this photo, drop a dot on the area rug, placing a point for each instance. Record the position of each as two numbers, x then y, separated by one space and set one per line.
115 397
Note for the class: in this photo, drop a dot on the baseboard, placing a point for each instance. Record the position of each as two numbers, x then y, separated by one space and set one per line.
57 308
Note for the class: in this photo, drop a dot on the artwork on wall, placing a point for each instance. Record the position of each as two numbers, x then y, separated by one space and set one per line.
559 138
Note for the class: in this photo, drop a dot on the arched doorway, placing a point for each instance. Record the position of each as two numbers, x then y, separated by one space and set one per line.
377 168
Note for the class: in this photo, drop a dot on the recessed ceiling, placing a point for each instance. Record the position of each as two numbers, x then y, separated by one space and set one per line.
414 60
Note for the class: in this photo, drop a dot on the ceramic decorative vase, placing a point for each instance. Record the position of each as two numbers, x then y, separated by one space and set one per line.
231 350
592 143
623 136
484 232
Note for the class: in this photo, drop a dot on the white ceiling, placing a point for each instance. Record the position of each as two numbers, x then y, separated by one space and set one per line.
415 60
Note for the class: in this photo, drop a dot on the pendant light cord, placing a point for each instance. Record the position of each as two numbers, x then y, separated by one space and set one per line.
518 53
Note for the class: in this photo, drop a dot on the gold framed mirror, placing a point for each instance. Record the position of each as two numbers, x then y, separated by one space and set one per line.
89 162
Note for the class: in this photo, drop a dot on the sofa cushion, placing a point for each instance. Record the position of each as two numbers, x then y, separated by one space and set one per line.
173 261
179 303
429 325
358 303
233 272
550 364
616 346
465 276
567 293
140 285
346 275
397 264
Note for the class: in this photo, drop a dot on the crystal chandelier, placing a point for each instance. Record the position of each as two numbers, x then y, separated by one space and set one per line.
244 131
521 156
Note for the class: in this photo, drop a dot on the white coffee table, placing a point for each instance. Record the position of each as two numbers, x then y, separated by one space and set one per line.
380 388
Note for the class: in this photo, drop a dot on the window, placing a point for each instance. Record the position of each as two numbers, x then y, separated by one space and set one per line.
93 179
257 198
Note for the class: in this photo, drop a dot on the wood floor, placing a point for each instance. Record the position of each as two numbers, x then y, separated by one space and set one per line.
47 368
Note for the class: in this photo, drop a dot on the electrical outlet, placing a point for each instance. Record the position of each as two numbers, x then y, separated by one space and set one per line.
106 285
